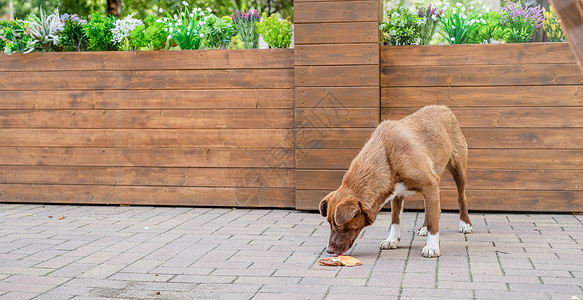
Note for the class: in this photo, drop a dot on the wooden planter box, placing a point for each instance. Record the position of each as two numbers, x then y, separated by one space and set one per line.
267 128
520 107
159 128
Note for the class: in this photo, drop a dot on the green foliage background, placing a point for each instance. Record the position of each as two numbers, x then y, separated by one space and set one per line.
143 8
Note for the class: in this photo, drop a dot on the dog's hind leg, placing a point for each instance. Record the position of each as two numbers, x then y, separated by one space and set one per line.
458 168
394 237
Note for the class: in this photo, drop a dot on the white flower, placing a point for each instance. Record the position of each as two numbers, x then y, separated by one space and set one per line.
182 14
434 17
198 9
453 39
191 15
184 3
209 9
463 9
123 28
160 10
200 23
175 16
201 35
458 4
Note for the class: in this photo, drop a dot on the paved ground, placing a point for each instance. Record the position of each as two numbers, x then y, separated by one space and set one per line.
96 252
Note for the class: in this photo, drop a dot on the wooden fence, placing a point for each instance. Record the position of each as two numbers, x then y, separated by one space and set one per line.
163 128
520 107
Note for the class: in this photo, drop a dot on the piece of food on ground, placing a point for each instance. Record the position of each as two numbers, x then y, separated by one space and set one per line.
341 260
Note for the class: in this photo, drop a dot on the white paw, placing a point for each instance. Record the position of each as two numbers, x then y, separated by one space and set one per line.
422 231
394 238
465 227
431 248
388 244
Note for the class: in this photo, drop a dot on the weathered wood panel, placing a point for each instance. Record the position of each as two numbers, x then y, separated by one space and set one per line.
494 54
336 54
336 11
520 107
150 79
337 76
156 60
337 97
212 128
335 33
335 117
148 99
489 96
148 157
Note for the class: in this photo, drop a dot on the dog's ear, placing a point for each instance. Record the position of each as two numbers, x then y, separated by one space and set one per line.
346 211
324 204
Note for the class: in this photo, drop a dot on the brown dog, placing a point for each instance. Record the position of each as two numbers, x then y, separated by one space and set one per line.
401 158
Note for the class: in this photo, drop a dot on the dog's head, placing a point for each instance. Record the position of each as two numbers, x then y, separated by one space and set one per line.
347 218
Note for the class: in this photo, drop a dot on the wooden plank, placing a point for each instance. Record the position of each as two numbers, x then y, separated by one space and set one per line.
329 159
149 60
336 54
488 75
137 138
518 159
538 180
479 54
336 11
148 119
336 33
148 176
340 138
480 200
351 97
318 179
154 79
331 76
148 99
499 96
148 157
570 12
148 195
524 138
334 117
518 117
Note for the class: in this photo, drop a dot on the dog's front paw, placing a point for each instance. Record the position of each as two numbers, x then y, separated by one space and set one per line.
465 227
429 251
422 231
431 248
390 244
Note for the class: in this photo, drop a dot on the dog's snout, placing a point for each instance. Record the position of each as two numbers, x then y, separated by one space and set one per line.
330 250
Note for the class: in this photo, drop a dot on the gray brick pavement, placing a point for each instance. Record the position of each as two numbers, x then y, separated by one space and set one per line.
103 252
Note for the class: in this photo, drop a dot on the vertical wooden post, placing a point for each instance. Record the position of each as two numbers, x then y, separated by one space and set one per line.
337 90
571 14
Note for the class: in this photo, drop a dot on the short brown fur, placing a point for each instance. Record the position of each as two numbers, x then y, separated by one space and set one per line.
414 151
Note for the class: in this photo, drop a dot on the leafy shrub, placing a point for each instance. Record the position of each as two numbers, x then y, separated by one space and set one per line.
13 34
552 26
151 34
520 21
186 28
98 32
246 27
72 37
456 25
403 27
45 29
121 32
276 33
219 32
490 30
430 18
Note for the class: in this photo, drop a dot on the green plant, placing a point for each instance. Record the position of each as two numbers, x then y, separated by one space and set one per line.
186 28
45 29
403 27
152 34
246 28
219 32
430 18
121 33
521 21
552 26
72 37
456 25
489 29
276 33
13 34
98 32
